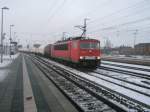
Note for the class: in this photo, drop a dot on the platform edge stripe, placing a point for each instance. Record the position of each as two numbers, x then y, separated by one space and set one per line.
29 101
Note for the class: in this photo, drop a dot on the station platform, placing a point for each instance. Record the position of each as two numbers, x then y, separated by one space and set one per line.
25 89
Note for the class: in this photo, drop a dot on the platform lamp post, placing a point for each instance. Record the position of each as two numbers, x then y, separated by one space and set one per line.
2 35
10 38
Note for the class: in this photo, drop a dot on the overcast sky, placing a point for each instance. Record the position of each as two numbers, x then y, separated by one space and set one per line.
43 21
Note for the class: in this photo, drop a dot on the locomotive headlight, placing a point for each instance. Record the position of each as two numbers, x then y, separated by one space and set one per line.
98 57
81 57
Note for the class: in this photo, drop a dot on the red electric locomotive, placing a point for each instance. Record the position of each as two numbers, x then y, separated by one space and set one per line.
77 50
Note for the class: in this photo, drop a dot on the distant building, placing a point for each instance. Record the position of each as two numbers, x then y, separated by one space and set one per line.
122 50
142 49
126 50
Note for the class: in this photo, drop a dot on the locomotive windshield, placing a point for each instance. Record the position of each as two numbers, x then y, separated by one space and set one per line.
89 45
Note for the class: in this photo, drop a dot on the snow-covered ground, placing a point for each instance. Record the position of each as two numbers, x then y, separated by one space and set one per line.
126 77
132 94
3 74
125 64
127 69
7 60
135 57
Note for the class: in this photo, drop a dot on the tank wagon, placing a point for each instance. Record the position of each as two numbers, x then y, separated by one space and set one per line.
47 50
78 50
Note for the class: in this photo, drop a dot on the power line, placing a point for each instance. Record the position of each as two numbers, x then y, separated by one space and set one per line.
56 11
127 16
122 24
94 10
56 6
118 11
54 3
135 32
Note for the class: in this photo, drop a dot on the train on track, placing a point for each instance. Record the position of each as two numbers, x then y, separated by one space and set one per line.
78 51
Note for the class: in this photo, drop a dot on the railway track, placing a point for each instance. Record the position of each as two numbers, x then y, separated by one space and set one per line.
131 73
125 66
80 98
134 70
128 60
121 79
142 89
108 96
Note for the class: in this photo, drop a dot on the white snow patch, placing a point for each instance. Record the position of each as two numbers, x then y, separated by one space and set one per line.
7 60
126 69
125 64
3 74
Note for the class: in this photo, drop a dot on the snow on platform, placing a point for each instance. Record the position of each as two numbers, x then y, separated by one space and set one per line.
7 60
3 74
29 100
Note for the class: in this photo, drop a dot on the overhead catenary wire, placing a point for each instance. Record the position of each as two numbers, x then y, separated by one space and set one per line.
61 5
128 16
122 13
117 12
120 25
103 4
136 5
53 10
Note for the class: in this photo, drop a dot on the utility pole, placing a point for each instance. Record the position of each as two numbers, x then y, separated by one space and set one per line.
2 38
135 35
15 36
135 32
15 42
2 35
10 38
83 28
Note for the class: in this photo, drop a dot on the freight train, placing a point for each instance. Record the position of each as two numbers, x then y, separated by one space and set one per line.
78 51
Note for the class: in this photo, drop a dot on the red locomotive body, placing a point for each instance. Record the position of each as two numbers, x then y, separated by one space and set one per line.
77 50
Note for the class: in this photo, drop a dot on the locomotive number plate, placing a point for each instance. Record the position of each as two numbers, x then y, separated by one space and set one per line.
90 57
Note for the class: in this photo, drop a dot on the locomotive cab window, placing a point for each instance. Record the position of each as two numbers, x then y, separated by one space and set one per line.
89 45
61 47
